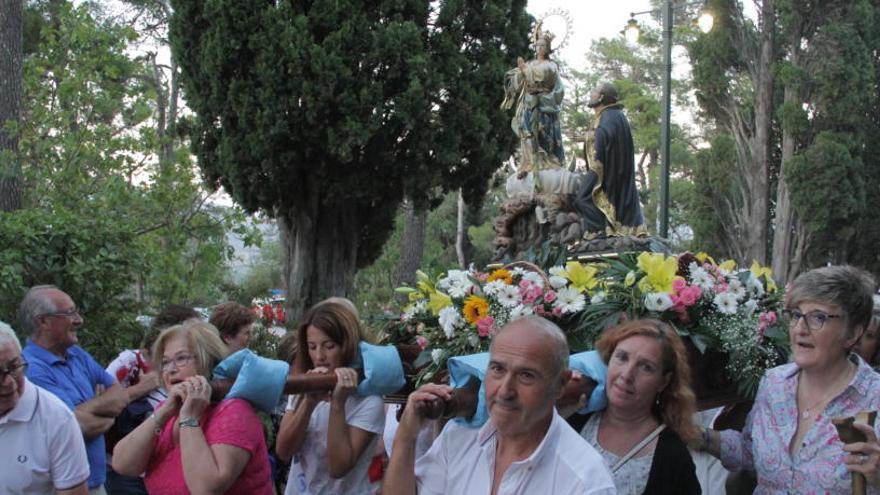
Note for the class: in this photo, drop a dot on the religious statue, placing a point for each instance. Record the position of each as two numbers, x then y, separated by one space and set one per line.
608 199
535 87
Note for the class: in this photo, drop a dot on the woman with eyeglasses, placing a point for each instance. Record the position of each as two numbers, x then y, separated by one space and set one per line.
788 438
189 444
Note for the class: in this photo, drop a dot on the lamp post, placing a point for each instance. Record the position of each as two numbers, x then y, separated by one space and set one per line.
631 32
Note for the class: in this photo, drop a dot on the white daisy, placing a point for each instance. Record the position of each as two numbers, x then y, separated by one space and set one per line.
414 309
726 303
508 296
755 285
737 288
449 319
517 271
520 311
657 301
558 282
492 288
534 278
701 277
557 271
569 300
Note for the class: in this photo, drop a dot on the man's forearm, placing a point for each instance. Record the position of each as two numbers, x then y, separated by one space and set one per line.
92 425
109 404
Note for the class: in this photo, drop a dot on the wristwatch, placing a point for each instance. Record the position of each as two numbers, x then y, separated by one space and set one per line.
191 422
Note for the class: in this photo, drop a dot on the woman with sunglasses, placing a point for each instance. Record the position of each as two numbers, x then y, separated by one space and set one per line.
788 438
191 445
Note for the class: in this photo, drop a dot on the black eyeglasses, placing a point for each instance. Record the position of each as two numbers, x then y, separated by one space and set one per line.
815 320
15 371
64 314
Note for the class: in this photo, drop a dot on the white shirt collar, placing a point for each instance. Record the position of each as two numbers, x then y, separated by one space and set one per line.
25 407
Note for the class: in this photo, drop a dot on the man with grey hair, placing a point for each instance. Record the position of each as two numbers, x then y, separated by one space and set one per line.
59 365
525 447
43 450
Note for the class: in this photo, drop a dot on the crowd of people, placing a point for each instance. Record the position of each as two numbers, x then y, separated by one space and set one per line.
150 421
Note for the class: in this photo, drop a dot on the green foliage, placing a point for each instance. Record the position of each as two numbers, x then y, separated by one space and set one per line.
93 158
830 192
713 185
91 258
332 112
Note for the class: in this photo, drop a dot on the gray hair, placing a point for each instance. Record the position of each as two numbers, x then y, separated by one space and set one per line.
554 335
8 335
850 288
35 304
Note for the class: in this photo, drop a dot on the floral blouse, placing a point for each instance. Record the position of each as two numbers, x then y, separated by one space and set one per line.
763 445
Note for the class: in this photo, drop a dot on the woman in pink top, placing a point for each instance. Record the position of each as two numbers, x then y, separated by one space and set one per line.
190 445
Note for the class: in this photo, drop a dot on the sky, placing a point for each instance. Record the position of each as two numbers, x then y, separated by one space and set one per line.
591 20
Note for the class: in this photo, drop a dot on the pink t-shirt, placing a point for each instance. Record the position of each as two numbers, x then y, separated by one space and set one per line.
231 422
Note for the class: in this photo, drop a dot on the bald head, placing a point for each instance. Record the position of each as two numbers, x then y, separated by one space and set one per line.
545 333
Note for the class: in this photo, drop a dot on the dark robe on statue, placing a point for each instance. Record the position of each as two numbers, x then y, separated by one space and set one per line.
608 199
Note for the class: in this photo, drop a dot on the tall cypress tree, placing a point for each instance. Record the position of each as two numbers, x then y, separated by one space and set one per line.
324 113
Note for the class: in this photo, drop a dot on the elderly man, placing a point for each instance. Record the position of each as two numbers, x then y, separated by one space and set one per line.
43 449
524 448
58 364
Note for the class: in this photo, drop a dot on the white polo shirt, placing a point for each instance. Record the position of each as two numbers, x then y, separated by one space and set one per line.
462 460
41 445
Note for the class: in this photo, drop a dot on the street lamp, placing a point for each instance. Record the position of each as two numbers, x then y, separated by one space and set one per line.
631 33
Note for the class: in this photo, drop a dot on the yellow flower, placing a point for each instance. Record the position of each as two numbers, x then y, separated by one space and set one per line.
660 272
475 307
703 256
765 271
415 296
582 277
438 301
727 266
501 274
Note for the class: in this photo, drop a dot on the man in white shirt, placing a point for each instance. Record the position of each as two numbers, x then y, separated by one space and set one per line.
524 448
43 449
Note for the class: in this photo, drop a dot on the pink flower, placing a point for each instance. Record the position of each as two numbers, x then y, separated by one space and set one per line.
422 342
720 287
524 285
689 295
486 326
540 311
557 311
769 318
678 284
532 294
482 276
549 296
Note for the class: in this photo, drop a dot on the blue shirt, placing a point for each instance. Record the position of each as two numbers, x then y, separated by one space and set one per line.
72 379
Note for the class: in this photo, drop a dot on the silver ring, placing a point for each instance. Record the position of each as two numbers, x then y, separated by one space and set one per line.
862 458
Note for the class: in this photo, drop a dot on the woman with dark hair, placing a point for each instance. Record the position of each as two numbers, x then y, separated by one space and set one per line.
641 435
868 347
235 324
788 438
331 437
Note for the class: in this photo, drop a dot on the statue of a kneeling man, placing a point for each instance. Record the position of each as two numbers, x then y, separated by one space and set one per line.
525 447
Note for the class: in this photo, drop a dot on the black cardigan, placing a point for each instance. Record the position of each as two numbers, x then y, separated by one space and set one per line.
672 470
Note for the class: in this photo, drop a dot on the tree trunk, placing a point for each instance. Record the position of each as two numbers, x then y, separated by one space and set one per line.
756 247
319 247
784 233
412 244
10 102
460 232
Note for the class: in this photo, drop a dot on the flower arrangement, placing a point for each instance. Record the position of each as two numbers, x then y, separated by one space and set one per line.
717 305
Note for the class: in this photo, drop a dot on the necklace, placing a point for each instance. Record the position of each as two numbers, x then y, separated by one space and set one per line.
807 412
